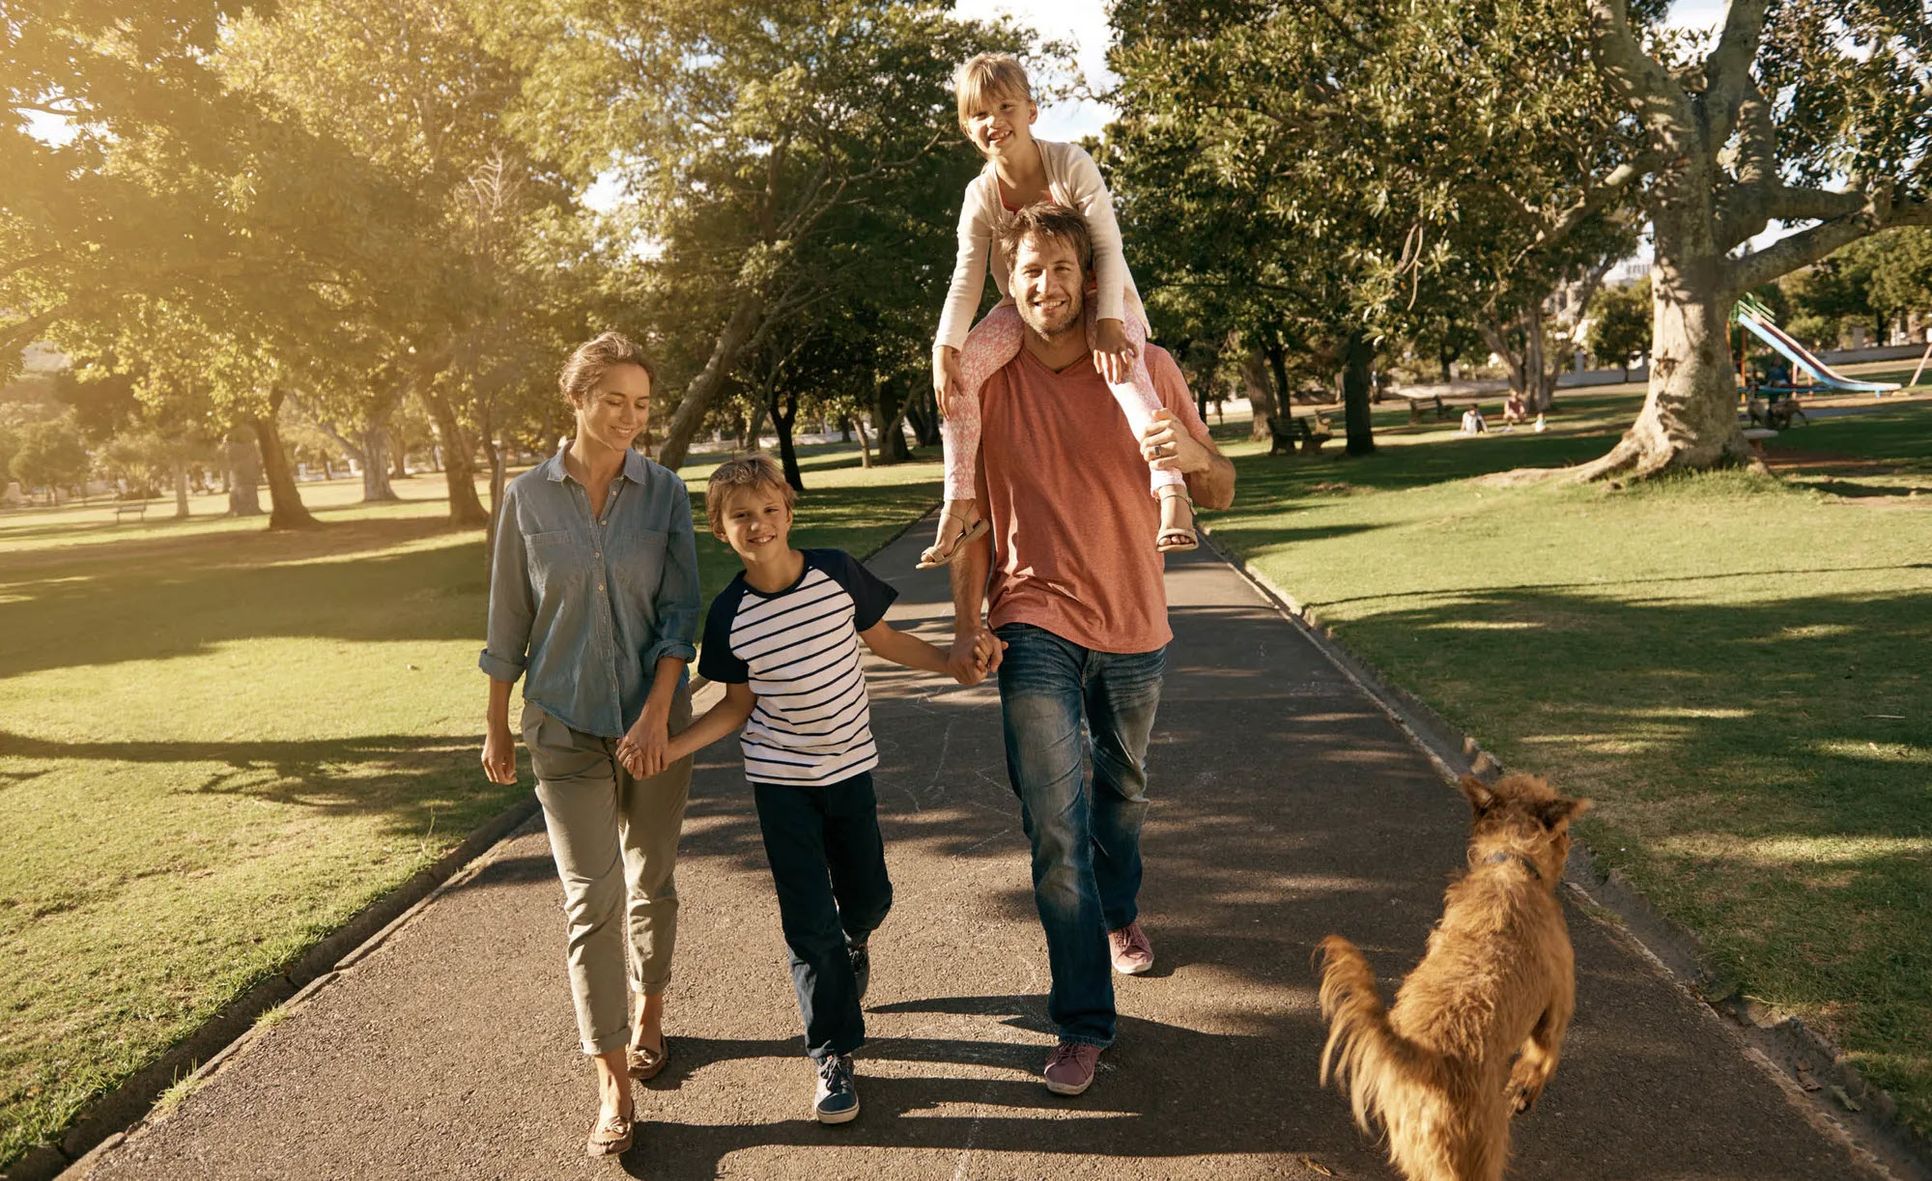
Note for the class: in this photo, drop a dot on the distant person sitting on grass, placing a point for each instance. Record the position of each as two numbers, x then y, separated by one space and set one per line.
1515 412
594 601
783 639
1472 421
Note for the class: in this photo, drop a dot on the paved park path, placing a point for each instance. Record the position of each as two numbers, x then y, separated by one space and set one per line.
1286 806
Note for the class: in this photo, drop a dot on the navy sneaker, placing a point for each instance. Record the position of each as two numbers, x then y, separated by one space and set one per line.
837 1100
861 966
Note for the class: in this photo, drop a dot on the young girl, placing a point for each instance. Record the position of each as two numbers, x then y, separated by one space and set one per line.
996 111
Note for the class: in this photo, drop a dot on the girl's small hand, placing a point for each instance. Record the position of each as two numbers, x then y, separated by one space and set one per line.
1113 353
945 377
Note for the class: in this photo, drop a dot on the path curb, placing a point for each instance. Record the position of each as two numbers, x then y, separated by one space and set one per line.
1869 1123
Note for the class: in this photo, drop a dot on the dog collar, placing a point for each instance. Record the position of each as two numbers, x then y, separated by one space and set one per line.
1500 858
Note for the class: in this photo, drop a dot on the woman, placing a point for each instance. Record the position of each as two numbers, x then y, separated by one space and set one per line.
594 599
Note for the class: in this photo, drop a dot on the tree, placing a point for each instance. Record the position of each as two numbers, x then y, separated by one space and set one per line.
1620 330
50 455
1790 100
1875 282
462 311
1339 174
740 132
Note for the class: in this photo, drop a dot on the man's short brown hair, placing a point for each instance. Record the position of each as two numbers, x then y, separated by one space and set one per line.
744 471
1049 222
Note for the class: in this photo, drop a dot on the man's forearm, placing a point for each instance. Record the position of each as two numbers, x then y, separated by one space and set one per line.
969 583
1213 487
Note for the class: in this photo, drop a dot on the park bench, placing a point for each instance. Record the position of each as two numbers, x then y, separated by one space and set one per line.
138 509
1305 434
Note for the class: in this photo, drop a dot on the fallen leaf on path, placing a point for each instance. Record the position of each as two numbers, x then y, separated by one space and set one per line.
1317 1166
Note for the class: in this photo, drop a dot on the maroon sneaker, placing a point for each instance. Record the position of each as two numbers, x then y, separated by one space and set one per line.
1132 953
1069 1069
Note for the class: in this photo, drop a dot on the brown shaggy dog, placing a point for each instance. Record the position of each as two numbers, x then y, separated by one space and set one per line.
1498 981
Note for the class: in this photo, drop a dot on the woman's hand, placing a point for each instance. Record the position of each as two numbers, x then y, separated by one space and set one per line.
945 377
645 748
1113 353
499 753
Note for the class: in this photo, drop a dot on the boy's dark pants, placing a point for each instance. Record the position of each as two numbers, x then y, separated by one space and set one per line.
828 863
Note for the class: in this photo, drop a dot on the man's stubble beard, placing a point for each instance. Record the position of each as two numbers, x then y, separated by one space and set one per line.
1076 310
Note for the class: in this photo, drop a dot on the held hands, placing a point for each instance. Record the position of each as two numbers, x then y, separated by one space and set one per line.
499 754
945 377
974 654
1113 353
645 748
1165 446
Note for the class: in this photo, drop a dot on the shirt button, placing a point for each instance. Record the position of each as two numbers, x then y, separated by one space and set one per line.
600 586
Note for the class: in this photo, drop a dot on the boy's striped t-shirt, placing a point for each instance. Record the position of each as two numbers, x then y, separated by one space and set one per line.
798 649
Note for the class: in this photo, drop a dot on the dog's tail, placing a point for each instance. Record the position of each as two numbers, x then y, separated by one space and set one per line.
1377 1066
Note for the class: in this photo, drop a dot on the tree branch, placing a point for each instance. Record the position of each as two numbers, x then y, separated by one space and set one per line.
1594 199
1808 246
1637 76
1727 71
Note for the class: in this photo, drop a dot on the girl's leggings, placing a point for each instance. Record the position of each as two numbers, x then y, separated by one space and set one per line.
993 342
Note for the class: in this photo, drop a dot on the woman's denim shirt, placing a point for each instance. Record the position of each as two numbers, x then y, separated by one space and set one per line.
586 608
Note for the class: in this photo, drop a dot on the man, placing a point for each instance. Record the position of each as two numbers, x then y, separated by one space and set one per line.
1077 601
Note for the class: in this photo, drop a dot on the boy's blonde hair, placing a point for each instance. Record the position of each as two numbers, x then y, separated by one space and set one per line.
744 471
986 76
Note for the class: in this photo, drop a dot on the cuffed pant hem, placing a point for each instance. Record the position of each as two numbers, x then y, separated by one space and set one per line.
600 1048
1086 1040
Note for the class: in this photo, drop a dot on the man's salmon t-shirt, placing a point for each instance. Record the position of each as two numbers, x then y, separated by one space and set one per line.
1062 481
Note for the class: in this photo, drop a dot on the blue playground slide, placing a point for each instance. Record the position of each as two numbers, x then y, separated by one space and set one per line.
1822 374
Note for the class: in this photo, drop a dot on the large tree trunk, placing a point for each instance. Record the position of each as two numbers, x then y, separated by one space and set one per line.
244 476
704 388
865 444
459 464
1689 419
1254 375
180 489
1358 358
754 427
888 413
375 463
784 413
922 411
286 510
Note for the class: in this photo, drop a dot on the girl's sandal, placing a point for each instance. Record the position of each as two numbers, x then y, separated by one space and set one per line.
612 1136
936 556
1176 539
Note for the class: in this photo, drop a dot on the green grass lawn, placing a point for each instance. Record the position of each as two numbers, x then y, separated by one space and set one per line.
219 743
1733 666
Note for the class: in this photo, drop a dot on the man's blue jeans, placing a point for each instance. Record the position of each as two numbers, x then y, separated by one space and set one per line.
1086 837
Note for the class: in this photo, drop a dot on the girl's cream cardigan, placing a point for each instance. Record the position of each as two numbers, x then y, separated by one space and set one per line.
1073 180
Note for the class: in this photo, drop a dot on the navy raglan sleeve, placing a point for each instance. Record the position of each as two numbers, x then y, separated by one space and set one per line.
870 594
716 662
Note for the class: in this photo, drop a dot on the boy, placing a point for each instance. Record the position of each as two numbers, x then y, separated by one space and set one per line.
783 639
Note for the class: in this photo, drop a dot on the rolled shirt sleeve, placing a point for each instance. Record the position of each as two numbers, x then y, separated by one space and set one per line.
676 602
512 600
